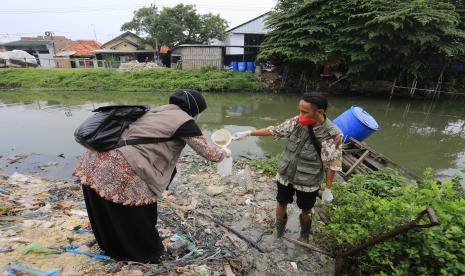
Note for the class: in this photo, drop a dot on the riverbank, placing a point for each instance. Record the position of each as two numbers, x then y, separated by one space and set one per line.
44 225
52 214
158 80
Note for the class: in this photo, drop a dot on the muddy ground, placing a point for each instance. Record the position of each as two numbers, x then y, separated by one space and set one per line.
51 214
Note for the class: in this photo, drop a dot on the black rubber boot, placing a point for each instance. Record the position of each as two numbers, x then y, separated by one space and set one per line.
305 228
280 226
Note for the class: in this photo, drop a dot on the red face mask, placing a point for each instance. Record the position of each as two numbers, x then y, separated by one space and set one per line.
306 121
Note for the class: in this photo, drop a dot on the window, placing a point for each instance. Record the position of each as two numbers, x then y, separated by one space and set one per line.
253 39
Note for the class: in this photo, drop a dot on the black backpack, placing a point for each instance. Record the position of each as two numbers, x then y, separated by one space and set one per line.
102 131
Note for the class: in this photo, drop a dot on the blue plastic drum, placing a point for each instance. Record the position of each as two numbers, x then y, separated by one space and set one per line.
241 66
356 123
250 67
233 66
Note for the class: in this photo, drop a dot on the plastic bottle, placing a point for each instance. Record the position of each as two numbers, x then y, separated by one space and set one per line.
225 166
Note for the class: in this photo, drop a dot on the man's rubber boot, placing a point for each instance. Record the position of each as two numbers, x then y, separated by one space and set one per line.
280 226
305 228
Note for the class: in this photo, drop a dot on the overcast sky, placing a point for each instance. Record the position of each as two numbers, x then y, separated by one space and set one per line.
77 19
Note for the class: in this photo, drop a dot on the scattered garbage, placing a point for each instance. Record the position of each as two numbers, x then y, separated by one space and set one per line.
15 268
209 224
17 158
49 165
37 248
6 249
83 231
72 249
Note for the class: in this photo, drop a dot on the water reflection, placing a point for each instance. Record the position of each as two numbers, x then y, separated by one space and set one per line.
415 134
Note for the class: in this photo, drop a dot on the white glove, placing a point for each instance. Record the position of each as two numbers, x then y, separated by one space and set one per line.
241 135
227 152
327 195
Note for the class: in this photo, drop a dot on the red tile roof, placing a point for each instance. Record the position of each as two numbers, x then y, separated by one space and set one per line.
83 48
164 49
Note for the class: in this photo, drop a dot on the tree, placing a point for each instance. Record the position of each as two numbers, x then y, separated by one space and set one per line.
177 25
396 35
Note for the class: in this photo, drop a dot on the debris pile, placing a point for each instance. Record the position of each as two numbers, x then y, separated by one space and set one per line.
210 225
134 66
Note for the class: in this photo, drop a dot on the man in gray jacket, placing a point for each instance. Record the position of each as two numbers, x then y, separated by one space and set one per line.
314 148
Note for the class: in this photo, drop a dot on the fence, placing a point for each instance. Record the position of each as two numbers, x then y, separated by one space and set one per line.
70 63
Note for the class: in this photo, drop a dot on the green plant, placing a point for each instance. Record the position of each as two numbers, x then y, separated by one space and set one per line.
360 212
269 165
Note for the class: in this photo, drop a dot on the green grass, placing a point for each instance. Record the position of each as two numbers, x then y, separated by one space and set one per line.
163 80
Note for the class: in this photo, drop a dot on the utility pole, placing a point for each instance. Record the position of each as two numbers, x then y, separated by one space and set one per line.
50 34
95 34
155 11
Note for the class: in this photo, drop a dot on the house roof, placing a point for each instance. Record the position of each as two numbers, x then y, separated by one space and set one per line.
82 48
107 51
121 36
253 19
28 43
127 41
164 49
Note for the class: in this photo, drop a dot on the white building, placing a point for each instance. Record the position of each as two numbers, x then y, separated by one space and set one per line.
251 33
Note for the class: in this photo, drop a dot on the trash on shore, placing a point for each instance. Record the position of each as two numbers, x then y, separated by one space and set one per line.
210 225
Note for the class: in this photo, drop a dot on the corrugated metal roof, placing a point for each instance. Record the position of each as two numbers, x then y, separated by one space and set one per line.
28 43
253 26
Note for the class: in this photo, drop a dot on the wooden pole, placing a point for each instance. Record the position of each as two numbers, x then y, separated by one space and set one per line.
364 155
306 245
392 88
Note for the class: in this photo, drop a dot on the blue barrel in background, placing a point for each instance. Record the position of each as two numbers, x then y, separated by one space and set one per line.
233 66
241 66
356 123
250 66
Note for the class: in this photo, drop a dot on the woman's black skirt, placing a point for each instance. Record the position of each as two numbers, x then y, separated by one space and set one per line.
124 232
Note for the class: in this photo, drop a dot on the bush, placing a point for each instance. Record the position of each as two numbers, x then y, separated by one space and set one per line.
371 204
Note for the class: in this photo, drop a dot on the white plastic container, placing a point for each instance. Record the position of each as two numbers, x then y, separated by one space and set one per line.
222 138
225 166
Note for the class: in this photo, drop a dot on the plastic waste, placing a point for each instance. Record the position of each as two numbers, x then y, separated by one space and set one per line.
72 249
225 166
222 138
37 248
15 268
182 241
82 231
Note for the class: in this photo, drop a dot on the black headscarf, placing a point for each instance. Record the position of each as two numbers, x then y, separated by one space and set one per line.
317 99
191 101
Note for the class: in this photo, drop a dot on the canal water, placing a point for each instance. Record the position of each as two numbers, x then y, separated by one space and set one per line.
414 133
